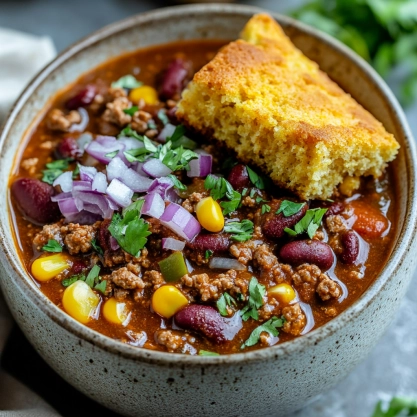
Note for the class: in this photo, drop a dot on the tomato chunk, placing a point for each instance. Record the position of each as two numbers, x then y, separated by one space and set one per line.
369 222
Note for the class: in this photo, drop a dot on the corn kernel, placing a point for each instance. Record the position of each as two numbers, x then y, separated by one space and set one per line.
349 186
80 301
283 292
209 214
167 300
145 93
48 267
115 312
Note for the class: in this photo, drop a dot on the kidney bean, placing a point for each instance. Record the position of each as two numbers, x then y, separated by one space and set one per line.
33 198
207 321
350 243
369 222
274 224
174 79
307 251
68 148
104 235
83 98
78 266
239 177
214 242
334 208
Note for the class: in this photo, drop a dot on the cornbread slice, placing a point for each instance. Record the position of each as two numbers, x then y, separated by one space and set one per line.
271 104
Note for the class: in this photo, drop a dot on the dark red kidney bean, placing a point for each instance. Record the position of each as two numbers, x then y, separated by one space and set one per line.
68 148
174 79
172 115
307 252
215 243
274 224
335 208
83 98
78 266
204 320
239 177
350 243
104 235
33 198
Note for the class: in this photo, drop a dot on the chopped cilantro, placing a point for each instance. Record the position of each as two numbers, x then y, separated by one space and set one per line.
179 132
68 281
265 208
55 169
136 155
61 164
179 158
92 276
52 246
163 117
129 132
111 154
260 200
233 204
223 302
207 353
136 205
149 145
101 286
252 193
218 186
271 326
255 301
242 231
152 124
398 406
256 180
128 81
76 172
96 247
131 232
244 192
289 208
208 253
308 224
177 183
131 110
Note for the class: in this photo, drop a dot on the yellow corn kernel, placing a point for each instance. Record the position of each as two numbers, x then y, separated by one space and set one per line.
48 267
209 214
80 301
349 186
115 312
145 93
283 292
167 300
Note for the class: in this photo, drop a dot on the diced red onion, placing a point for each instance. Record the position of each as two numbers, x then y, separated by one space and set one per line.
119 193
136 181
130 143
201 166
166 132
112 204
68 206
81 186
113 243
226 263
153 206
80 127
99 183
87 173
64 181
155 168
61 196
84 140
116 169
179 220
102 146
93 198
139 169
83 217
172 244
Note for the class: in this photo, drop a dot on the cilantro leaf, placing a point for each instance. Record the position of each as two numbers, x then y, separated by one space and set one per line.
265 208
96 247
224 301
177 183
179 158
207 353
69 281
76 172
309 223
129 132
208 253
128 81
136 205
218 187
149 145
101 286
131 232
289 208
136 155
61 164
242 231
52 246
233 204
255 301
131 110
162 117
271 327
111 154
179 132
256 180
92 277
398 406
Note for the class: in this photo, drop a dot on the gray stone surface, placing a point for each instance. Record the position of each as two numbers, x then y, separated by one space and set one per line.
391 369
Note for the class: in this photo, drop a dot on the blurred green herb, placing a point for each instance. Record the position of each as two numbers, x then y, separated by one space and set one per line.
397 407
384 32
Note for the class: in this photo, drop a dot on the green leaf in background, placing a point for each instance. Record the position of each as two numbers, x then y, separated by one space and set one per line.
397 407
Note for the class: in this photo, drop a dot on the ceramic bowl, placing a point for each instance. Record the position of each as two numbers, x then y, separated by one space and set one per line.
272 381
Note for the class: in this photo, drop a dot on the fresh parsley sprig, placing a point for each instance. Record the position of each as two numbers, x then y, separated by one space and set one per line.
241 231
177 183
97 247
225 300
256 179
289 208
255 300
271 327
309 223
55 169
52 246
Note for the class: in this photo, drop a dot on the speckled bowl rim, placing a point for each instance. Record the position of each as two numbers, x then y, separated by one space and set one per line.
291 347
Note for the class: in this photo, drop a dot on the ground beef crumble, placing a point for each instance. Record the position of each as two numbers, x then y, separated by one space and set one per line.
174 341
127 280
295 319
269 265
58 120
78 237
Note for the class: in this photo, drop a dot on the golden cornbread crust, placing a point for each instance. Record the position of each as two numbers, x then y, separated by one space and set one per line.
271 104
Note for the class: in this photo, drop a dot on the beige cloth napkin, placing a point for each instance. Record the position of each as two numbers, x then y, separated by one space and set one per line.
21 57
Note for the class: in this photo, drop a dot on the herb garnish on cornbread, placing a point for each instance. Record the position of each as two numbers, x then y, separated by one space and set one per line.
271 104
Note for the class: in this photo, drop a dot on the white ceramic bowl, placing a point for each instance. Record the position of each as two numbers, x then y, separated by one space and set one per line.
274 381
